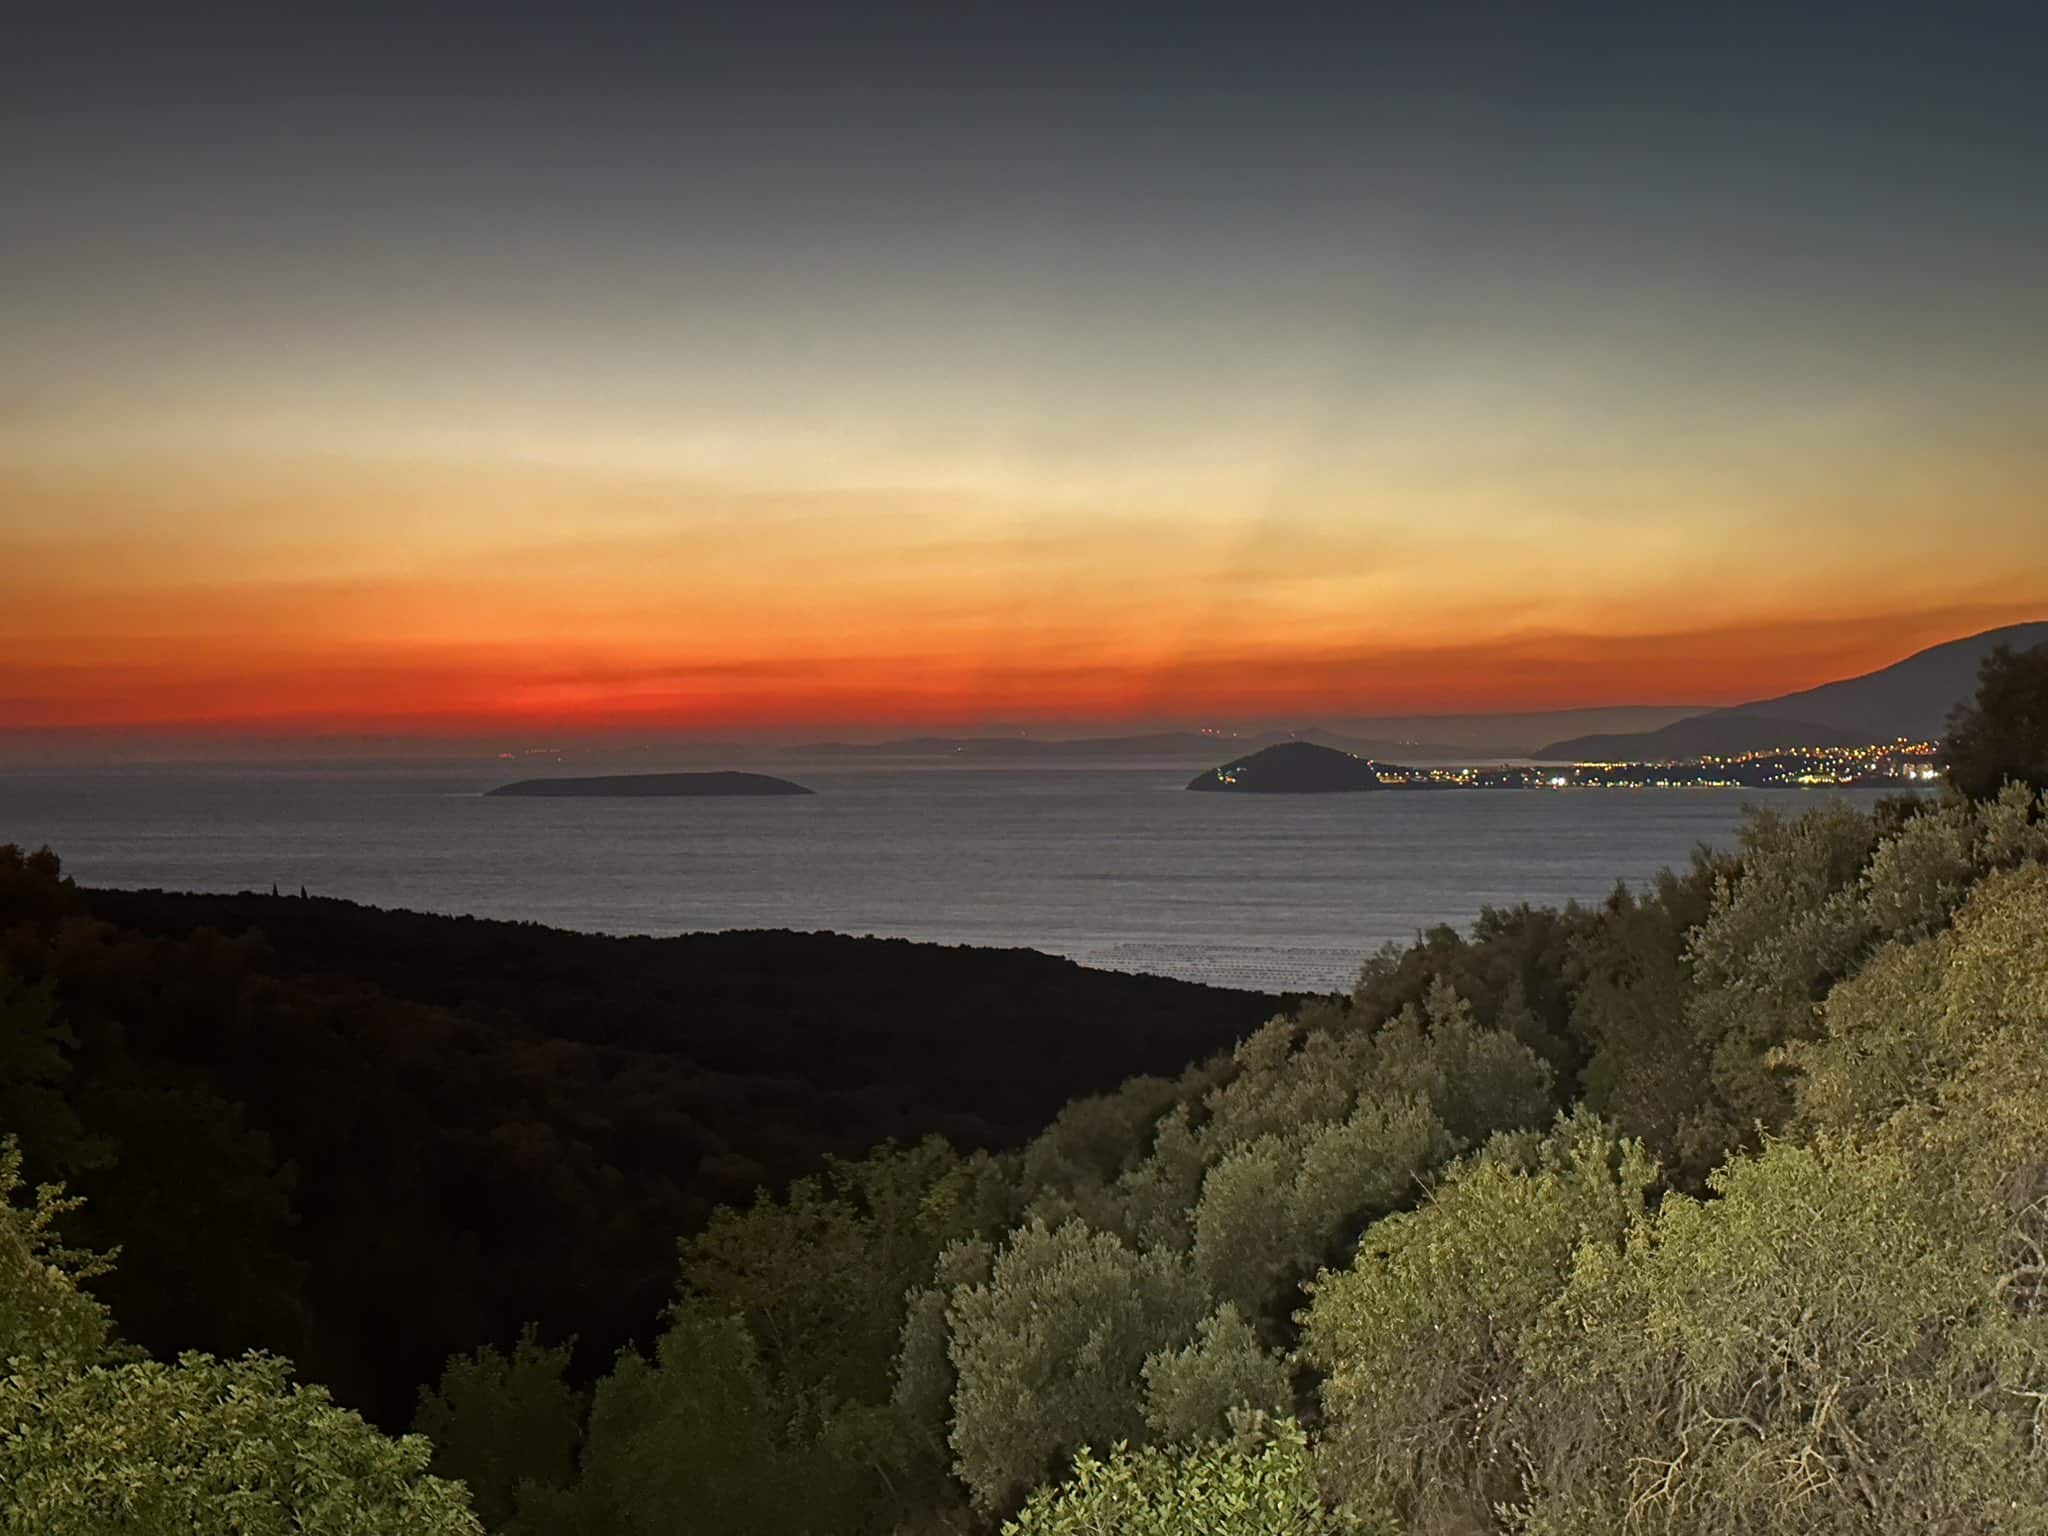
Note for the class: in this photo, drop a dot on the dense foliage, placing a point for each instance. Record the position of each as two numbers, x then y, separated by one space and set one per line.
1720 1206
1717 1206
2002 734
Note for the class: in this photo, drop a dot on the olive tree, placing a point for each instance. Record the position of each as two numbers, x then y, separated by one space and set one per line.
1050 1351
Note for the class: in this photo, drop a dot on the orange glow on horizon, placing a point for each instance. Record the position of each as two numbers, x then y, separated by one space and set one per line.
496 689
409 600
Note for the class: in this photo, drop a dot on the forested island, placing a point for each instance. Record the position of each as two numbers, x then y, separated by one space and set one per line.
1292 768
654 786
1719 1205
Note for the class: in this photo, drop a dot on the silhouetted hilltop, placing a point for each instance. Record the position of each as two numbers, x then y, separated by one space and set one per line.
1291 768
1910 698
1423 738
654 785
1722 734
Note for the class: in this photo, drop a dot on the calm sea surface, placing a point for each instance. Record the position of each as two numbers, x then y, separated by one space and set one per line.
1113 867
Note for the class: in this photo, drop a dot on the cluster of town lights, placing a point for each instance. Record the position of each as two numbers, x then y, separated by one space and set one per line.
1888 763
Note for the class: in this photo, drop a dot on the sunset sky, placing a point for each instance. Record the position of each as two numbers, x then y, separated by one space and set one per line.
787 371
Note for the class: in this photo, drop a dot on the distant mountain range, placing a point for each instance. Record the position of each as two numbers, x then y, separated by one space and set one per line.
619 786
1470 738
1396 738
1190 746
1910 698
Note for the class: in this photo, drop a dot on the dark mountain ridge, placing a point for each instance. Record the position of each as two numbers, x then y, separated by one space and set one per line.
1910 698
1191 746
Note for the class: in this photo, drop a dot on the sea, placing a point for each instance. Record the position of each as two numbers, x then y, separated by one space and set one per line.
1114 867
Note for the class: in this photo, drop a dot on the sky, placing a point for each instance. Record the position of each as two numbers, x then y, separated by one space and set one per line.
543 368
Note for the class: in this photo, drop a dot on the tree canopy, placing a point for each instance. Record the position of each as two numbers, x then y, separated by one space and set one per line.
2001 735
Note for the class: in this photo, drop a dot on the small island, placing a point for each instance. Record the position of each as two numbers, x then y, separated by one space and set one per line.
654 785
1292 768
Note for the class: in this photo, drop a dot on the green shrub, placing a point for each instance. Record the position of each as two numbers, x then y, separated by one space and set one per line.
697 1439
1263 1485
45 1316
96 1442
508 1424
1191 1393
1809 1352
1419 1338
207 1447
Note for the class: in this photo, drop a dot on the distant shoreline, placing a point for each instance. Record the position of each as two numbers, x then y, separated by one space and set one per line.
1894 765
651 786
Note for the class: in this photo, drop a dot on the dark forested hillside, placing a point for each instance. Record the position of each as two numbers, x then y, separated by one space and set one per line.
370 1139
986 1044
